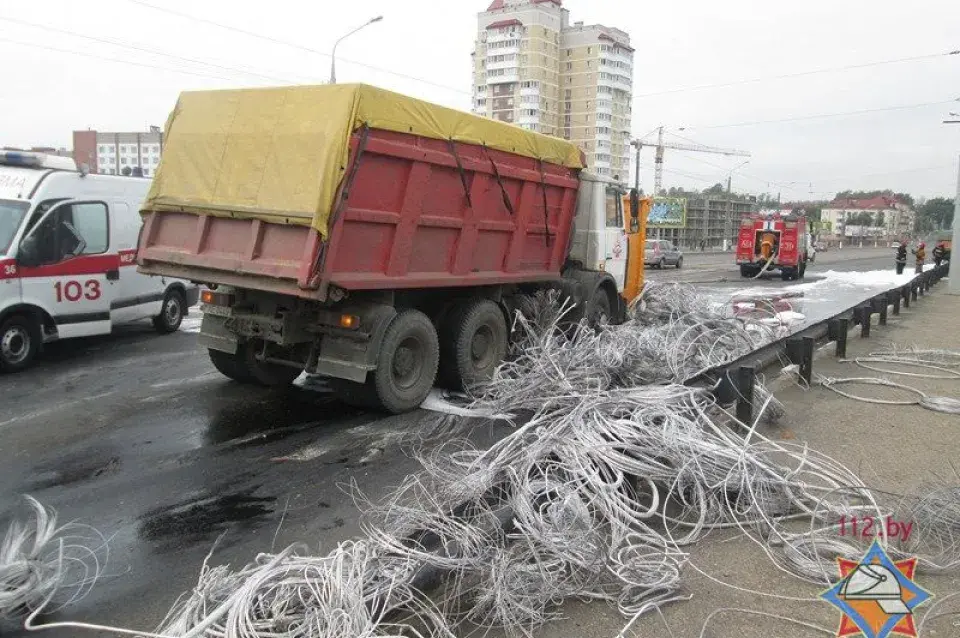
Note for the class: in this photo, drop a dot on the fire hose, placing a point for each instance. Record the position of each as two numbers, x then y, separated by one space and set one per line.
772 255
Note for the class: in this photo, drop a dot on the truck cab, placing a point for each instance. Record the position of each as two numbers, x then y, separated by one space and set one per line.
603 238
68 245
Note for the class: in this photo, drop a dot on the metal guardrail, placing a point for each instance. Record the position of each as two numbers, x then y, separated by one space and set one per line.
734 381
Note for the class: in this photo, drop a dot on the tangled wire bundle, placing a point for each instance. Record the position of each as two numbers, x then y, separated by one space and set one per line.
40 561
616 468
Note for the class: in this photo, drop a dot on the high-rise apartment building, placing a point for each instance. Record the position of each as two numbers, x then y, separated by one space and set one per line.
535 69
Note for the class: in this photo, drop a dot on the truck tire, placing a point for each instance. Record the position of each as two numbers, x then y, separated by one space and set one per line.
20 339
271 375
679 263
787 274
230 366
171 312
803 270
407 363
473 343
748 271
599 311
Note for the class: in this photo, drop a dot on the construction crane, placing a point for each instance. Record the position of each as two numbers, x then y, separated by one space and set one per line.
660 145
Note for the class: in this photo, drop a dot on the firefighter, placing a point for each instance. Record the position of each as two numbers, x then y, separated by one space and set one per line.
938 253
921 255
901 257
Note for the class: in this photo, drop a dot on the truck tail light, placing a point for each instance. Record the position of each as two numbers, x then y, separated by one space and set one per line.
349 322
212 298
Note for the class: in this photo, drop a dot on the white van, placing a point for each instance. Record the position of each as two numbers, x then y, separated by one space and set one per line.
68 245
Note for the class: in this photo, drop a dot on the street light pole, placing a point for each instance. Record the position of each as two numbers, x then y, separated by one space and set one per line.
333 56
730 176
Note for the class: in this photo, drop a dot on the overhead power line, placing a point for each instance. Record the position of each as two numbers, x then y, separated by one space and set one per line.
784 76
819 116
85 54
294 45
143 49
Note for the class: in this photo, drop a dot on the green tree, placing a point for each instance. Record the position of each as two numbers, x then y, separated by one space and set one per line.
716 189
863 218
880 220
934 214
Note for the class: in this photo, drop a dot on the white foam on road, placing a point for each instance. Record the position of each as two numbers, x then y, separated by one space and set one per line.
192 323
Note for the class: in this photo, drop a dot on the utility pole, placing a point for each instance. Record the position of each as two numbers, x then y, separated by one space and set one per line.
954 282
636 180
954 287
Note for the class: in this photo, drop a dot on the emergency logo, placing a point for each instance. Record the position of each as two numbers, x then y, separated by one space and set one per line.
877 596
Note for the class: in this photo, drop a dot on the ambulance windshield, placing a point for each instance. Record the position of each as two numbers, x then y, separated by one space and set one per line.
11 214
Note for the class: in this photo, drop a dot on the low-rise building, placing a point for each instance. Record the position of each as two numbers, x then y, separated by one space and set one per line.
712 221
130 153
892 218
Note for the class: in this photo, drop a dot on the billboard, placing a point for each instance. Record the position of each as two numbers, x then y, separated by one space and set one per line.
668 212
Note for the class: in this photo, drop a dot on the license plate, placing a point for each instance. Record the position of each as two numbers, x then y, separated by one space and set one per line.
217 311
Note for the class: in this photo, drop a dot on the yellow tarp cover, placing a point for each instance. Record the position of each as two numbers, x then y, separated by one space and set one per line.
279 154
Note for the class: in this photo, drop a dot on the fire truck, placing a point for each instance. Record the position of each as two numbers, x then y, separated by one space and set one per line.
770 242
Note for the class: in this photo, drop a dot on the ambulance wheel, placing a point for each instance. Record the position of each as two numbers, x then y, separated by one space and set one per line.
407 363
271 375
20 340
171 312
230 366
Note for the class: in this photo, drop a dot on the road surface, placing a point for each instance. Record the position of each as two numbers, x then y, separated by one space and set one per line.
137 435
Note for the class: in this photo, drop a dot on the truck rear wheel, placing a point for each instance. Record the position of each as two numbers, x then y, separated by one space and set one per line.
788 274
272 375
407 363
230 366
473 343
748 271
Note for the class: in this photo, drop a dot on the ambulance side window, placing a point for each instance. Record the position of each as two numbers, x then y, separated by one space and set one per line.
77 229
90 220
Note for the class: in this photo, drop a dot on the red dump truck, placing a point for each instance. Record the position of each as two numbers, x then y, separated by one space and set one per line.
770 242
377 240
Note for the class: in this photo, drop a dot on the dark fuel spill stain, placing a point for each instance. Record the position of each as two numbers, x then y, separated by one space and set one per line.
198 519
276 416
74 468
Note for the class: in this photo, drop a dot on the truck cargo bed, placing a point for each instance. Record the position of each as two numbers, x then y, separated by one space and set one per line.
412 212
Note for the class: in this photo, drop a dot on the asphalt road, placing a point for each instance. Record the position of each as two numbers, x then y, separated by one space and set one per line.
137 435
710 268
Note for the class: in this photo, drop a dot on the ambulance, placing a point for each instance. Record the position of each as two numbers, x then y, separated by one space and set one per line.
68 269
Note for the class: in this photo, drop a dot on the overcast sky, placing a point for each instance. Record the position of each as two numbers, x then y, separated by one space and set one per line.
423 47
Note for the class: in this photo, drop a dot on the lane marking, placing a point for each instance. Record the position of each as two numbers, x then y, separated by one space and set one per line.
55 409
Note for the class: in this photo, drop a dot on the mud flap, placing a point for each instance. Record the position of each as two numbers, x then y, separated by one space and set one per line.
214 334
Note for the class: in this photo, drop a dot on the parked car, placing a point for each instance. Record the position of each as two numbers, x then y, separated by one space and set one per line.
660 253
